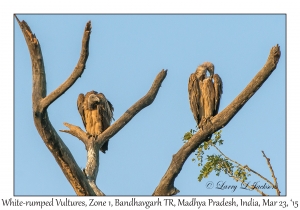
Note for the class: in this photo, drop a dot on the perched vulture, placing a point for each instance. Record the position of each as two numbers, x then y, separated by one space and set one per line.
96 113
204 92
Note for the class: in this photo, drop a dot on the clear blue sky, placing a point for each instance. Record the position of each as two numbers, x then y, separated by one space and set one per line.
126 54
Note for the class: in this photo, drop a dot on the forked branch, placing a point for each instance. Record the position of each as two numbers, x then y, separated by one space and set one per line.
83 183
275 185
92 145
125 118
77 72
40 102
166 185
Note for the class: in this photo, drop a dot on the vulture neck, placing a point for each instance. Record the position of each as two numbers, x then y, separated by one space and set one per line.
92 104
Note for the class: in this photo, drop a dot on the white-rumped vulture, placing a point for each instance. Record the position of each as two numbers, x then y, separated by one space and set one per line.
96 113
204 92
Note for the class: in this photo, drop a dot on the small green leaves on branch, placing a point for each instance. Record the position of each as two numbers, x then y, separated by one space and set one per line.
205 146
221 163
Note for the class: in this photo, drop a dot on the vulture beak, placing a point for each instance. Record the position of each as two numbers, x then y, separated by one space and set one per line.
211 71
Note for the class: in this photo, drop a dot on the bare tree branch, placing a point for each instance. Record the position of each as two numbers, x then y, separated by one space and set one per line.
125 118
77 71
96 189
166 185
77 132
38 70
60 151
92 145
275 185
134 109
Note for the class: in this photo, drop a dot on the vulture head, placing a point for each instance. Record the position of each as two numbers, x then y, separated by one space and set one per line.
92 100
201 70
210 68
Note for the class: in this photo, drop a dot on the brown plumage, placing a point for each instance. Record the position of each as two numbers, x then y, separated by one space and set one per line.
204 92
218 86
96 113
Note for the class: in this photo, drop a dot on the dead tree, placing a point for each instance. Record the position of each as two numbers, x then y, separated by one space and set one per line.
84 183
166 185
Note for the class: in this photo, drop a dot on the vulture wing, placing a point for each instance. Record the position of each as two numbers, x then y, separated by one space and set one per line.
111 109
105 109
208 95
80 107
195 97
218 86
